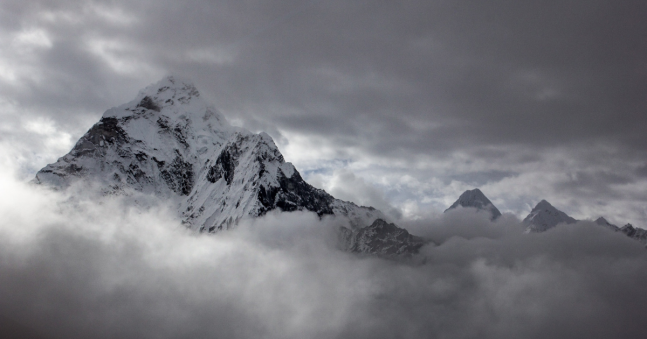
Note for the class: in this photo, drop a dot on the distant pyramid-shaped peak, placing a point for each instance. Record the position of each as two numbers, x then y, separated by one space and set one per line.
475 199
544 217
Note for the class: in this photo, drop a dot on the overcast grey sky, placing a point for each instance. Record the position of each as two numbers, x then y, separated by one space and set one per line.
401 105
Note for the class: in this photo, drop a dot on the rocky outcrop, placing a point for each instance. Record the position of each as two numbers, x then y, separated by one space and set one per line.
383 239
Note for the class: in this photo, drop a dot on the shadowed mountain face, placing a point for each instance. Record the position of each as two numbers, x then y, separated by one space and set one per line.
475 199
383 239
544 217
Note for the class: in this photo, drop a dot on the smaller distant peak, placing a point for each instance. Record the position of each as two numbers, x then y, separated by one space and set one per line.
476 199
544 216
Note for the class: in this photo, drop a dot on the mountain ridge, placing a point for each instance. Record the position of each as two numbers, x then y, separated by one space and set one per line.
170 143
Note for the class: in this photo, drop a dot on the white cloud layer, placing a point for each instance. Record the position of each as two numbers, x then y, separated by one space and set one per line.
74 266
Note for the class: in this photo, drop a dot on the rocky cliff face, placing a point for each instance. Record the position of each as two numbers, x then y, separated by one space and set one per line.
635 233
383 239
169 143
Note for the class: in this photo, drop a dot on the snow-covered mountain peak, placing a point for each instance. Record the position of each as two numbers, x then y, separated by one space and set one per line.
170 143
475 199
544 217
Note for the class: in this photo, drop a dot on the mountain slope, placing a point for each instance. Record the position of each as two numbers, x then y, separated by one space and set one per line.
170 143
383 239
544 217
476 199
603 222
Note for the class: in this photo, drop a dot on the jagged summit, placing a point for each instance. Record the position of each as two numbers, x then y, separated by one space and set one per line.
544 217
475 199
170 143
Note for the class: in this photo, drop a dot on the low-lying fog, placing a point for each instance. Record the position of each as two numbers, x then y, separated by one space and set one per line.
74 268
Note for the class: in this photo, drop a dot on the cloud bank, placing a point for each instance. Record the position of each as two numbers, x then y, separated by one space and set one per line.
77 268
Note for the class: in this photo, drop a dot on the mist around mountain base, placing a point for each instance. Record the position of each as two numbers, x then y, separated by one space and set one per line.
101 268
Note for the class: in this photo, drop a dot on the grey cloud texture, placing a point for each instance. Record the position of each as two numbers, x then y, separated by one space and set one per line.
457 92
72 268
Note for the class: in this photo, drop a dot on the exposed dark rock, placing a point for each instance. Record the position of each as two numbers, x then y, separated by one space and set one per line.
163 124
635 233
141 156
136 172
106 132
382 238
629 230
160 163
224 168
295 192
73 169
179 176
148 103
180 132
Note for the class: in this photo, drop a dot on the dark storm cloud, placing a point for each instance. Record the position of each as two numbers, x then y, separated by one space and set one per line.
501 72
482 178
79 270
